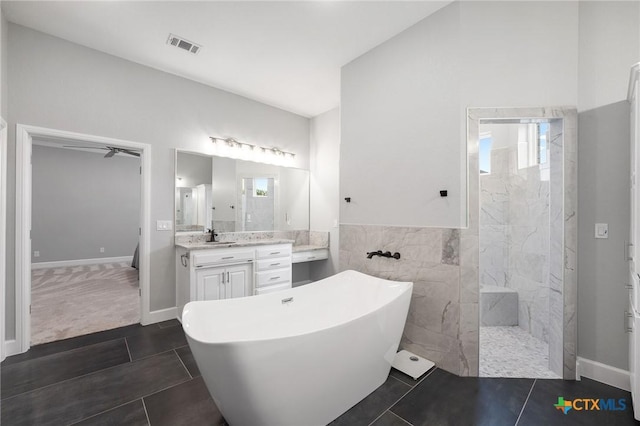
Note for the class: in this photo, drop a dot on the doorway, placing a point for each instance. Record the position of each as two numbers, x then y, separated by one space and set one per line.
25 136
85 221
522 192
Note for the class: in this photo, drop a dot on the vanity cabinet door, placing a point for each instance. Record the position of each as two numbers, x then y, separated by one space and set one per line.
210 284
238 281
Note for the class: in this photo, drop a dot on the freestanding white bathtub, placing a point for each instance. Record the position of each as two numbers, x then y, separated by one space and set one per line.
301 356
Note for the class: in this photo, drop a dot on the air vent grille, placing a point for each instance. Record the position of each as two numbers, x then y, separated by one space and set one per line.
183 44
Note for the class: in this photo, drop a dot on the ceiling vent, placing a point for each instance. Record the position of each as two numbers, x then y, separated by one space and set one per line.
183 44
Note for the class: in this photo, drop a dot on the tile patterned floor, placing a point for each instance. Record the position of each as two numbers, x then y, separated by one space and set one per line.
512 352
147 376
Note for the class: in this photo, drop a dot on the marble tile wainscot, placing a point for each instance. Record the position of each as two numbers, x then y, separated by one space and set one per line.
431 260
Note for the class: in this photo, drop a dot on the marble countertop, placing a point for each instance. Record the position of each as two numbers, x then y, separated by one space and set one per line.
308 247
200 245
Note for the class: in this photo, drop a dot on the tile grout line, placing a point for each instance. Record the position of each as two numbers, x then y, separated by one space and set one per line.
102 412
163 352
65 351
93 372
525 402
404 394
168 387
66 380
146 413
182 362
395 415
126 343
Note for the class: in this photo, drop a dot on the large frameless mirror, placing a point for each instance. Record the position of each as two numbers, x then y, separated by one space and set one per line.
232 195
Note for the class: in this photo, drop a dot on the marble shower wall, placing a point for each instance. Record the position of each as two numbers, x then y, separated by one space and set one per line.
514 235
430 258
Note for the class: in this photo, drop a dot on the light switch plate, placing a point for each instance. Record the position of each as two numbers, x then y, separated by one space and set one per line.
164 225
602 230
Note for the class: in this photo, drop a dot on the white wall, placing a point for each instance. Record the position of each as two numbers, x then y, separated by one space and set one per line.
518 53
82 202
403 118
403 103
400 126
324 188
61 85
609 46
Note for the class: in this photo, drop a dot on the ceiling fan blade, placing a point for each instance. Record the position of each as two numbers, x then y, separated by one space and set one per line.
130 152
83 147
112 150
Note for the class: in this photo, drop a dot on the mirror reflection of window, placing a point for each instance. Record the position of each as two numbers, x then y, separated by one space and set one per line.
260 187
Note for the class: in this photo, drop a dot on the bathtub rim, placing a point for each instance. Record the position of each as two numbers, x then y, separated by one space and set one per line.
407 288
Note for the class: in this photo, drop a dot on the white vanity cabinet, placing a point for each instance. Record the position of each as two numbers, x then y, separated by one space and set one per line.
273 268
229 272
212 274
223 282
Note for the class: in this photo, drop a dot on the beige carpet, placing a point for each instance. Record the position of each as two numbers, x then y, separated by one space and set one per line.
77 300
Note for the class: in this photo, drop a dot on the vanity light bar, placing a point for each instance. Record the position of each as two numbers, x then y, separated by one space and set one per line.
235 144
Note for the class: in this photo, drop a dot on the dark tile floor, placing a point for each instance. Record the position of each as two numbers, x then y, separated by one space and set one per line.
147 376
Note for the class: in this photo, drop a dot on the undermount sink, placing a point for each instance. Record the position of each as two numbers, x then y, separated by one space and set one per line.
217 243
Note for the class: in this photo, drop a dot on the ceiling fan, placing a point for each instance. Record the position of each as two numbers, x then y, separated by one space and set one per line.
112 150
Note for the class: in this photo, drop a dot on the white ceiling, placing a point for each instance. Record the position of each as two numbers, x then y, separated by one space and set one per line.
286 54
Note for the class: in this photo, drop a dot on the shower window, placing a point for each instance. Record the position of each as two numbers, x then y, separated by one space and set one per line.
543 142
533 144
484 156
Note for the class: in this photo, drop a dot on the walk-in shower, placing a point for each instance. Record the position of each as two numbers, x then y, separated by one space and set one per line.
526 300
514 250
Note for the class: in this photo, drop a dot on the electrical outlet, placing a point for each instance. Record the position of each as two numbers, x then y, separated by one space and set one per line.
36 253
101 249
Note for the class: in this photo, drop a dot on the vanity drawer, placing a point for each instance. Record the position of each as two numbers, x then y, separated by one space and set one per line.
269 252
272 288
310 255
277 276
276 263
212 257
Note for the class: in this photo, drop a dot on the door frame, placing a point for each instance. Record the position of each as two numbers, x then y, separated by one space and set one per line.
3 229
567 197
24 137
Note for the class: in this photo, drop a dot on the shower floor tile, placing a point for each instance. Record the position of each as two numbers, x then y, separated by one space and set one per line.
512 352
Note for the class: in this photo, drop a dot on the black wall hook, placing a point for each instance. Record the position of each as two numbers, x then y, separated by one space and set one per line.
347 199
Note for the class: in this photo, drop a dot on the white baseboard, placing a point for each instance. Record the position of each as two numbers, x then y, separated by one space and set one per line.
603 373
11 347
160 315
81 262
